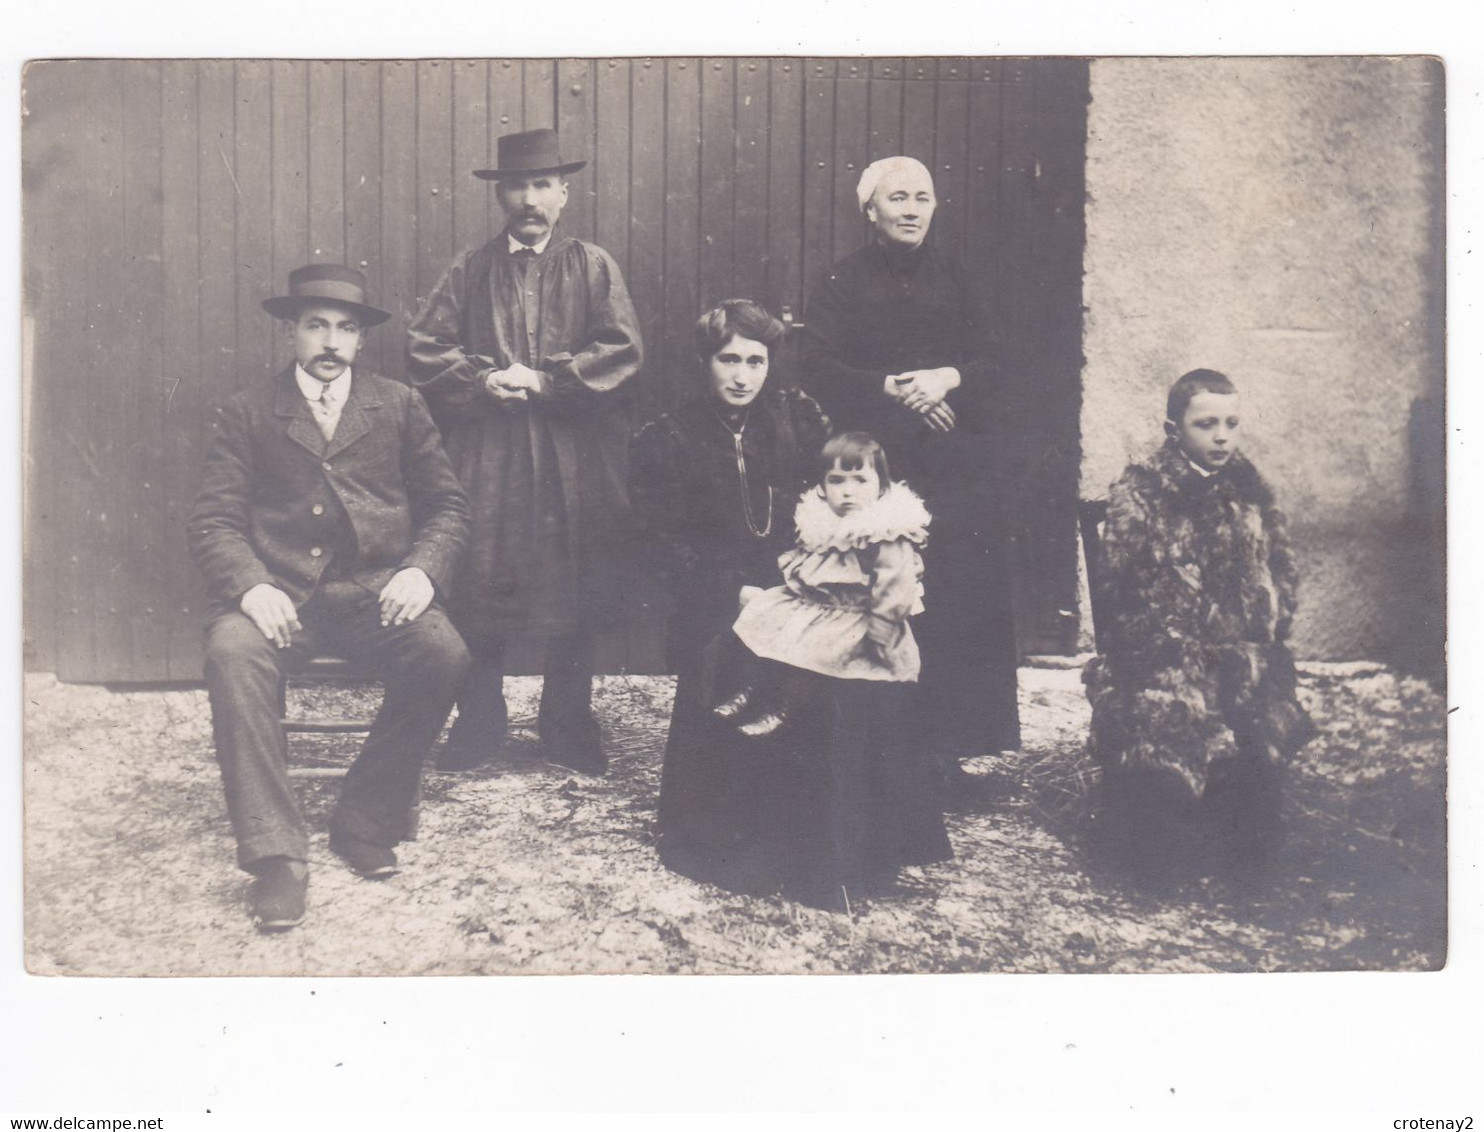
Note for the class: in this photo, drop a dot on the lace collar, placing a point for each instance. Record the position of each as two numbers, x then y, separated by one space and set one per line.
899 513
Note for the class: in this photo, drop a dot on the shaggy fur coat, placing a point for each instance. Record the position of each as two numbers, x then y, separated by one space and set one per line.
1197 584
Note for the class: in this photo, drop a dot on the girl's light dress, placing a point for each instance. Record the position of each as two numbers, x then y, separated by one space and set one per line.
850 583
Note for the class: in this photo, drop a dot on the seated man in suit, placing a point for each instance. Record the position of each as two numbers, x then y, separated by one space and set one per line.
329 517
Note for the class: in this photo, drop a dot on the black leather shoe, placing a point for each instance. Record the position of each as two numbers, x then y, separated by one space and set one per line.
575 743
457 756
278 893
374 862
478 731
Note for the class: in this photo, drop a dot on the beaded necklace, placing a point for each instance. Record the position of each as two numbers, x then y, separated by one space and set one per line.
747 513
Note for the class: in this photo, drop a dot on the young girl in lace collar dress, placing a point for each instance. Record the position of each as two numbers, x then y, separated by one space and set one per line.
851 582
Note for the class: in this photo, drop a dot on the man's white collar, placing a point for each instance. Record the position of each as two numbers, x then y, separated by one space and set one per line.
538 248
312 387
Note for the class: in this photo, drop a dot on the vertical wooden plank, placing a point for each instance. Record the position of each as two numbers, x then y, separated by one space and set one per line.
41 149
538 106
1022 438
54 133
1058 142
919 102
646 276
1059 132
785 282
574 93
579 129
886 67
223 277
819 180
326 174
398 210
606 95
471 151
751 204
217 225
885 109
950 152
72 464
610 176
363 200
181 406
507 96
252 179
137 588
290 156
982 203
682 213
852 133
717 181
433 204
98 434
36 590
1017 168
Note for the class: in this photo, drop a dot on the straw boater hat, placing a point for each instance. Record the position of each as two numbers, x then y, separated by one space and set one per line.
325 283
527 154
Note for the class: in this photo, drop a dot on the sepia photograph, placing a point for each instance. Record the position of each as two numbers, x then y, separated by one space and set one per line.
734 515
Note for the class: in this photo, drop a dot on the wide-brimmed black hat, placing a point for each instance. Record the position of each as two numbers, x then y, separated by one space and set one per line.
527 154
325 283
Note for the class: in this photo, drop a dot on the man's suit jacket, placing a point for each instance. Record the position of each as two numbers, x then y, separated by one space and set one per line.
273 488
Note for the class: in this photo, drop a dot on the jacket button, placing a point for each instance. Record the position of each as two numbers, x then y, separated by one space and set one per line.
326 465
318 508
316 552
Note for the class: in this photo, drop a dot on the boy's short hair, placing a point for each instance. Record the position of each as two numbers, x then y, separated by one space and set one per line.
716 327
851 450
1188 385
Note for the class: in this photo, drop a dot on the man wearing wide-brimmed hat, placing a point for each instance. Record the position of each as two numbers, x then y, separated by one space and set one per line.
329 518
522 351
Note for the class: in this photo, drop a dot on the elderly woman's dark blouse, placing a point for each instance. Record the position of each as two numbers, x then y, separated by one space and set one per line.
881 312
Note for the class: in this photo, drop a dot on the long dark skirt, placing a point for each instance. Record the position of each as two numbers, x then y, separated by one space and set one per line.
841 797
967 695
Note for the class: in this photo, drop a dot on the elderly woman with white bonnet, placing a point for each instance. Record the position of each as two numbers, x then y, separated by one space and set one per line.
897 343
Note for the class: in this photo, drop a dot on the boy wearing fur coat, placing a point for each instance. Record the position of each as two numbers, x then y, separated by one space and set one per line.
1193 697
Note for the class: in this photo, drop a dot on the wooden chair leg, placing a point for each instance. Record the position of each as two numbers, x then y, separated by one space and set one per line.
331 669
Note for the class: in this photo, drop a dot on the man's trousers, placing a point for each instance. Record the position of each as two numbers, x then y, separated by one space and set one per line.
421 665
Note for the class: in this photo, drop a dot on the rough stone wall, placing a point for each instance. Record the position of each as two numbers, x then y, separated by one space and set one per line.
1280 220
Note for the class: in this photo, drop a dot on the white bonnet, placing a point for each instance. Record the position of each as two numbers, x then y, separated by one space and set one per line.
873 173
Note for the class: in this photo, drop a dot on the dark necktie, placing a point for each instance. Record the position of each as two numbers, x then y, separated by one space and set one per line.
523 258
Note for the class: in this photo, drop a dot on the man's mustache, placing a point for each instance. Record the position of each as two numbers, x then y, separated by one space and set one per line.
327 356
531 214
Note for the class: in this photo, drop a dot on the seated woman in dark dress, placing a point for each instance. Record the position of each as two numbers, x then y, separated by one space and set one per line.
713 485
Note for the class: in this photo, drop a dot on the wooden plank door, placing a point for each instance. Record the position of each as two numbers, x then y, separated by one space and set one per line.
165 200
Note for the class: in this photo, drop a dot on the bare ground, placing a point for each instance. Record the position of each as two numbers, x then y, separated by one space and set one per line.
526 868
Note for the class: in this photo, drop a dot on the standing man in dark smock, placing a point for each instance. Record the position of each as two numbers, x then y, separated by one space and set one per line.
522 352
897 343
